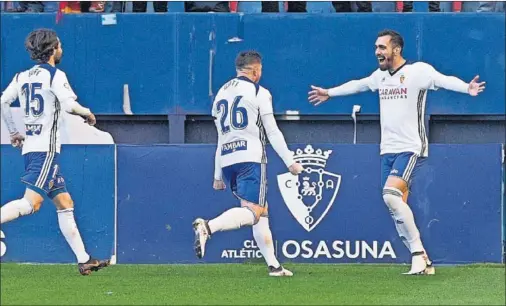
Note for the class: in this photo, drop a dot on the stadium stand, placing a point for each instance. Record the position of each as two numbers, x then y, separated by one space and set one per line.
243 6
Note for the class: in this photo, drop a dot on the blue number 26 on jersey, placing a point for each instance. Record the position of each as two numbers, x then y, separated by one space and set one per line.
238 115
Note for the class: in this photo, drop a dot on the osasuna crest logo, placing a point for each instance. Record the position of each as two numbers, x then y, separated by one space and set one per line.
310 195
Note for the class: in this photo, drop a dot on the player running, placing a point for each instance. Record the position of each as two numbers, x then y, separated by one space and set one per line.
404 146
243 115
43 91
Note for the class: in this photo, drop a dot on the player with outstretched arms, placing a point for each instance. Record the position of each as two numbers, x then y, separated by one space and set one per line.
402 90
43 92
243 115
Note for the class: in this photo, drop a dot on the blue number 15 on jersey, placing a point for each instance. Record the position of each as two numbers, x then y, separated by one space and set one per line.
238 118
34 103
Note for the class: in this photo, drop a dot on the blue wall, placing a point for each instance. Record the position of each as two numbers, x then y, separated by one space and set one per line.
89 172
165 57
162 189
458 223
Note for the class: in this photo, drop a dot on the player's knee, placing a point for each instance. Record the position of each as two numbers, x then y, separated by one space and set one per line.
397 183
405 197
34 198
257 210
391 196
265 213
63 201
66 204
36 206
35 202
69 203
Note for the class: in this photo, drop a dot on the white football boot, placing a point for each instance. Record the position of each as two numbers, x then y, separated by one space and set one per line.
279 271
202 233
421 265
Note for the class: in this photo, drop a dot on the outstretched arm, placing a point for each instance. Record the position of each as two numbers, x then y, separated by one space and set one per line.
350 88
438 80
319 95
455 84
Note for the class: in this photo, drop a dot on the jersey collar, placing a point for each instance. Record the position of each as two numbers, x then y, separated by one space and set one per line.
243 78
396 70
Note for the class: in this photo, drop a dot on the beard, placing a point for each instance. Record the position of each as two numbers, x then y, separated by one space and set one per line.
387 63
57 60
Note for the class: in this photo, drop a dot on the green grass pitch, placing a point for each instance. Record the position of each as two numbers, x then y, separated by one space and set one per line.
243 284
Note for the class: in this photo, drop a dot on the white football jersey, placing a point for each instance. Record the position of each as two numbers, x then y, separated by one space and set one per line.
237 110
402 97
40 90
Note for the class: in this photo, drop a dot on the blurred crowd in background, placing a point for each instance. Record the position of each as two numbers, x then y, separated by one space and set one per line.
245 7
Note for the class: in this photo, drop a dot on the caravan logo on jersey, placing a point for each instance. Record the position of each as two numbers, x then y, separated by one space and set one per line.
393 93
310 195
395 90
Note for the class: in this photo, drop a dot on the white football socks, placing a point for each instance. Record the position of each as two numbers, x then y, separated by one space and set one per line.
404 219
263 238
15 209
231 219
69 230
400 231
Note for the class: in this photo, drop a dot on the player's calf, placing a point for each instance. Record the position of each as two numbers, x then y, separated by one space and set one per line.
232 219
263 237
235 218
68 226
15 209
403 217
29 204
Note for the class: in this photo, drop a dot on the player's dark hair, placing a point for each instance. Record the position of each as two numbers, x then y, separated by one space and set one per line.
41 44
395 38
246 58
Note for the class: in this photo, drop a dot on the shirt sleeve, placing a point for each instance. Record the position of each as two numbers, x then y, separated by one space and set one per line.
265 103
218 173
277 139
432 79
10 94
355 86
64 93
61 87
